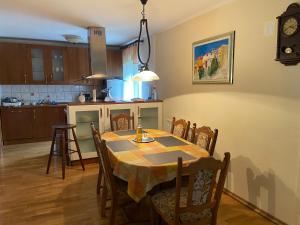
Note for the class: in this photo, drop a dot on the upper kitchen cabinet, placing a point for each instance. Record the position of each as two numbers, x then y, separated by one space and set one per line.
114 62
13 63
56 65
37 73
47 64
77 64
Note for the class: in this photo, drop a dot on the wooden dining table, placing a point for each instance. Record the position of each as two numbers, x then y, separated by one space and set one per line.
145 165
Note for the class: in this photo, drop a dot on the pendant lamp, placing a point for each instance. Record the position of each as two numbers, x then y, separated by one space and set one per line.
144 74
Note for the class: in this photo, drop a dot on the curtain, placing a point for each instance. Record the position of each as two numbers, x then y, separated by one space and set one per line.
130 68
131 64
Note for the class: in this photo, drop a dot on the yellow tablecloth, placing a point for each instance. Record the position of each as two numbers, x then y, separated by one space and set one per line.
140 173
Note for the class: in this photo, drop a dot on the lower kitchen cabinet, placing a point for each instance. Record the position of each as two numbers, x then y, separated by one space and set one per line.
150 115
44 118
83 115
30 124
17 124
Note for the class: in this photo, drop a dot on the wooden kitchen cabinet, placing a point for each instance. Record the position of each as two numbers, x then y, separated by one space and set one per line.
17 124
77 63
30 124
56 65
43 120
36 72
14 63
47 64
114 62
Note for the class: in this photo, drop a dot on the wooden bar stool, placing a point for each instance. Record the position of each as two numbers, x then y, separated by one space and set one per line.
60 132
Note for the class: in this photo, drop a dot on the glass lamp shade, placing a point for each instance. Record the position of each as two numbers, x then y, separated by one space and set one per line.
145 75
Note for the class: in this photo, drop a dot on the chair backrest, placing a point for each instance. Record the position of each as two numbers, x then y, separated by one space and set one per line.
106 166
179 127
96 134
121 122
206 138
190 133
204 176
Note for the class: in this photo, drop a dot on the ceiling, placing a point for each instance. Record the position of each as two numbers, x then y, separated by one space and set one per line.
50 19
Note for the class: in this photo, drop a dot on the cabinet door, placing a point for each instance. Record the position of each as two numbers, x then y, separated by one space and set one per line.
116 109
83 116
17 124
114 62
37 74
150 115
56 65
45 118
4 78
77 64
14 63
117 63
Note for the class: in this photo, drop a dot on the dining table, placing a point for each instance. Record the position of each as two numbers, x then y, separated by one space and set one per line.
145 165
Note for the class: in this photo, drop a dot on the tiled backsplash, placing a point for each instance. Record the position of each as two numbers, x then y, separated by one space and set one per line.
34 93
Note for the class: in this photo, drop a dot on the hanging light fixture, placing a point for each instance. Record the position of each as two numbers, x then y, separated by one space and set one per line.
144 74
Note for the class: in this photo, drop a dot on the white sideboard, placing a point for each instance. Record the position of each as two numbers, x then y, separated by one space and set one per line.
150 114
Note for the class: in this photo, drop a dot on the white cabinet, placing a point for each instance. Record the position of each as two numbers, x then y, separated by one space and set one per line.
150 115
83 115
116 109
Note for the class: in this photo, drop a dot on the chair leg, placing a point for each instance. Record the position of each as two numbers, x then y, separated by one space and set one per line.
63 151
99 183
103 199
51 151
78 149
67 149
114 203
154 216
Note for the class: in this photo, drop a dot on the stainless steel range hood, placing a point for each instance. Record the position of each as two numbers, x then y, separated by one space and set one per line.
97 51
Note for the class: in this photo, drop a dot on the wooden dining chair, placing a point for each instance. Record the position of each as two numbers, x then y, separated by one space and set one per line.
96 134
121 122
206 138
190 133
179 127
112 185
198 201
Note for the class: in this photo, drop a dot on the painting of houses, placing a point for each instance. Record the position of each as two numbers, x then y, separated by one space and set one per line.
213 59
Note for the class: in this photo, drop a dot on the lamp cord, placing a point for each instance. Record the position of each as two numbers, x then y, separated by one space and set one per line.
144 22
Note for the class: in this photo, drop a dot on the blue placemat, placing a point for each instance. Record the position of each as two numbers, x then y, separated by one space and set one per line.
170 141
121 146
168 157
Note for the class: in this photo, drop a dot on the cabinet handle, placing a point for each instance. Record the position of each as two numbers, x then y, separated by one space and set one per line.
34 114
25 78
107 112
100 113
51 75
46 77
139 111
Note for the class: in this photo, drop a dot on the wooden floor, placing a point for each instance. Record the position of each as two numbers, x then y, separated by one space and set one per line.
28 196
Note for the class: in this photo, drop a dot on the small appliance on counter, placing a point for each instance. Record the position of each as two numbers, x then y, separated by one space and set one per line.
11 101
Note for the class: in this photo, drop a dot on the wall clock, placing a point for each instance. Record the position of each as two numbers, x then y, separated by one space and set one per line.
288 37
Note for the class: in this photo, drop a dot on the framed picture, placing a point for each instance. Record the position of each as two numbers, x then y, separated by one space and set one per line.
213 59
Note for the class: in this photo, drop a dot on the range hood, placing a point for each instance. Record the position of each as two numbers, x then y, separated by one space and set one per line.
97 53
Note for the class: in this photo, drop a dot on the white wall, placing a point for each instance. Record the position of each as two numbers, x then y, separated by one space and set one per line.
257 116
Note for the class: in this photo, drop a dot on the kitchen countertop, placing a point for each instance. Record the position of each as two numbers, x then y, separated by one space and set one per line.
109 103
64 104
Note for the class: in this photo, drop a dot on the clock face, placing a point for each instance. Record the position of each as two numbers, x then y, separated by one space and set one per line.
290 26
